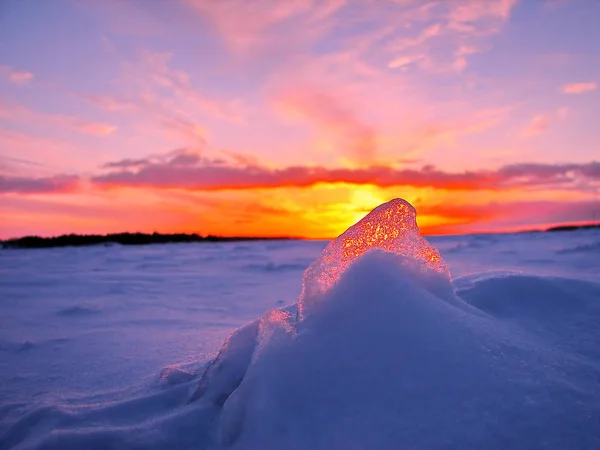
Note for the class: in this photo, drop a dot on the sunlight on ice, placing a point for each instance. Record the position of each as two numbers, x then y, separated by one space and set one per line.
391 227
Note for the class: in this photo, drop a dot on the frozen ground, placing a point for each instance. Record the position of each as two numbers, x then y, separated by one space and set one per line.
107 347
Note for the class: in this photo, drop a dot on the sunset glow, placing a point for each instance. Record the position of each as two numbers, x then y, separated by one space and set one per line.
296 118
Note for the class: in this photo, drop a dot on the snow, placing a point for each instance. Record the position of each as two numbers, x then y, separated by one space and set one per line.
120 347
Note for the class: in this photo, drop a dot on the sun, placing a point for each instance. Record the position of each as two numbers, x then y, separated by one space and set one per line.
364 199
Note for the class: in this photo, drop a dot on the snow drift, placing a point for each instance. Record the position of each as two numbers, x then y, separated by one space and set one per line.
383 350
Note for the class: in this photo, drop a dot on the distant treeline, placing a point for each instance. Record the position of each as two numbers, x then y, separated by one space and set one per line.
78 240
574 227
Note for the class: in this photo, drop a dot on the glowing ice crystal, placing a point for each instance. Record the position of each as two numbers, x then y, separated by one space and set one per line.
391 227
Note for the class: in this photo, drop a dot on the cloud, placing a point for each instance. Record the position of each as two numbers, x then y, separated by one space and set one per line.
194 172
154 73
249 26
408 31
23 114
332 117
45 185
16 76
405 60
579 88
538 125
165 99
94 129
20 77
56 155
441 26
126 163
541 122
107 103
178 157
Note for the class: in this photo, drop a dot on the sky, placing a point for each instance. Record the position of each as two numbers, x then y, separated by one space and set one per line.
297 117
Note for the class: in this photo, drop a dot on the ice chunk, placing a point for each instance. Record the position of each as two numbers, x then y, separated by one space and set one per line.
391 227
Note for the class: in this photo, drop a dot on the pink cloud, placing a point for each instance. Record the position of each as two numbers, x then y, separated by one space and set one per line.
20 113
331 116
461 23
477 10
152 83
57 155
248 26
108 103
579 88
538 125
162 75
405 60
94 129
16 76
164 101
405 28
21 77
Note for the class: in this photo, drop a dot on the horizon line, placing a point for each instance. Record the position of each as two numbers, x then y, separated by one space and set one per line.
303 238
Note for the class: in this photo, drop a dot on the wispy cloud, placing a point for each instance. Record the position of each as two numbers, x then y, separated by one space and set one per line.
20 113
579 88
108 103
408 31
540 123
91 128
457 28
331 116
251 26
164 98
54 155
20 77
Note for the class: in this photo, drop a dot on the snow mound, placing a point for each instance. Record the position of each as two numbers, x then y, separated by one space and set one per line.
391 227
387 362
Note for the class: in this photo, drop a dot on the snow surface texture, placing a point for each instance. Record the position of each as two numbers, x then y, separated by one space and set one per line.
392 355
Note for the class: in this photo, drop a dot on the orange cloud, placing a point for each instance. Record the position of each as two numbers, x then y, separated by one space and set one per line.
192 171
579 88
